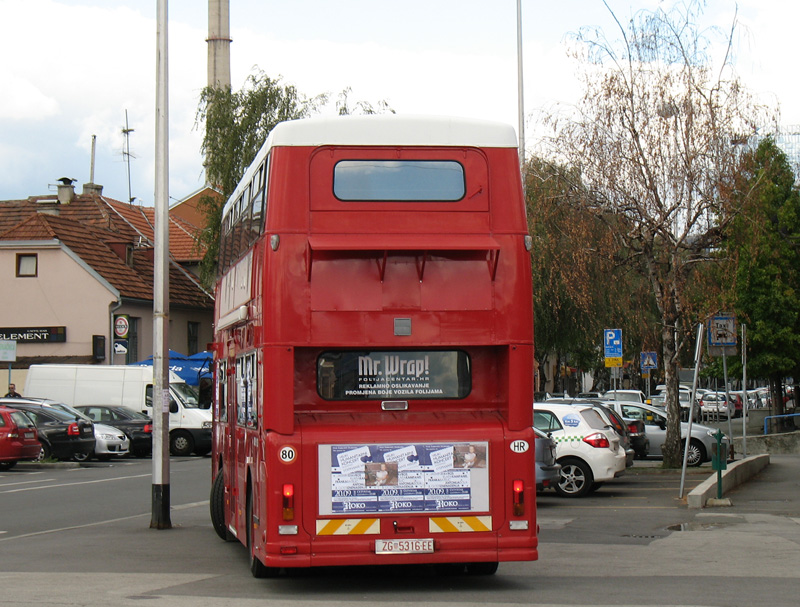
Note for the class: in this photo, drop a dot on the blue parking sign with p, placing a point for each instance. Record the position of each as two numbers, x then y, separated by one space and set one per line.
612 342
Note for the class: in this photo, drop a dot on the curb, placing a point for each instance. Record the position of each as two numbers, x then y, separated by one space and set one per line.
737 473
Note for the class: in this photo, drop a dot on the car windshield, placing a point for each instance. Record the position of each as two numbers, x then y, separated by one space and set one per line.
186 394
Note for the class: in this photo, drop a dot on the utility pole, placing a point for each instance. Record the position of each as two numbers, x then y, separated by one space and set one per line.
160 518
520 96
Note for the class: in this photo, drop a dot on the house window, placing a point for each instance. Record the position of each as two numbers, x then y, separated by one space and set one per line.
27 265
193 333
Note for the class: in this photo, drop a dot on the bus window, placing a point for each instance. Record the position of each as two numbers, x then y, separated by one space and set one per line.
399 180
377 375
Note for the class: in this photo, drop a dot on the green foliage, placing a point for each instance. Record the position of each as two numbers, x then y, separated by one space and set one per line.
763 248
236 125
579 285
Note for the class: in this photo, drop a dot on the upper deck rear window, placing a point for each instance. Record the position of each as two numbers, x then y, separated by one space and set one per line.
399 180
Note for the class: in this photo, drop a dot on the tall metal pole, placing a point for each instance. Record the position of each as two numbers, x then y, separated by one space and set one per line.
520 97
698 351
160 518
746 401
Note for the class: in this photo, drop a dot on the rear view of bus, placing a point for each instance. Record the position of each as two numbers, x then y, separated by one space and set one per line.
374 348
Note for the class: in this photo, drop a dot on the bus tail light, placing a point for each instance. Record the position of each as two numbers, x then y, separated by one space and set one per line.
288 502
518 495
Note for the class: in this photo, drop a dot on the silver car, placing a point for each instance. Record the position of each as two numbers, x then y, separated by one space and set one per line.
548 471
655 421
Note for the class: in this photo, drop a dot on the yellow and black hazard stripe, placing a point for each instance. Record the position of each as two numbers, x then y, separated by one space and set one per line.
349 526
459 524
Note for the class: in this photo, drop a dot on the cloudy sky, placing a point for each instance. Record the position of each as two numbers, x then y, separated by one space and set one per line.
73 68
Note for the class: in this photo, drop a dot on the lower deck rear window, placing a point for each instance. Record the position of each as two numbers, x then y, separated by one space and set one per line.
379 375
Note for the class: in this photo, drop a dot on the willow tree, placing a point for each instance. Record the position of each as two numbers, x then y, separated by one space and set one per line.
654 138
236 125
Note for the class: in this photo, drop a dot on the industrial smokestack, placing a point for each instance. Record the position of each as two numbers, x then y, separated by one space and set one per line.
219 44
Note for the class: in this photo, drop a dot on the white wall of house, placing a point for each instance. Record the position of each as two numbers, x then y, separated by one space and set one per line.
63 293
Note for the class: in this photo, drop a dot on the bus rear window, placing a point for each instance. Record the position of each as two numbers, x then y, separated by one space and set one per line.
399 180
380 375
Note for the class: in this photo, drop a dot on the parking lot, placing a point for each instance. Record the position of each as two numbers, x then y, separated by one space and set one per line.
84 539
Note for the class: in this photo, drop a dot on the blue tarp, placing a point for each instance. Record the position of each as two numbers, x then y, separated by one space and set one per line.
190 369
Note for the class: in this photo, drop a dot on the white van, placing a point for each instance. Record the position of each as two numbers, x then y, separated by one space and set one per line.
127 386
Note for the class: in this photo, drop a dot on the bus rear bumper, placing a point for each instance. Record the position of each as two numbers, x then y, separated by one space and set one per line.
363 552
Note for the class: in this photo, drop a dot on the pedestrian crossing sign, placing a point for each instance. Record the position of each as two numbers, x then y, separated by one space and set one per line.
649 360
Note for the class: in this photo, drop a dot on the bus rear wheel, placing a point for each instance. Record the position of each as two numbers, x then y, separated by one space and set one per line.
257 568
216 504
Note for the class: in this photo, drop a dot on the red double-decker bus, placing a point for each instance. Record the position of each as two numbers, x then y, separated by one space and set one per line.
374 348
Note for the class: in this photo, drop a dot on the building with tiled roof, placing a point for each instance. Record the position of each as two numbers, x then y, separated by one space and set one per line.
73 265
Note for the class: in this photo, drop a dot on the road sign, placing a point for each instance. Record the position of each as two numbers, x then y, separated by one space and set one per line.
8 351
649 361
722 331
612 345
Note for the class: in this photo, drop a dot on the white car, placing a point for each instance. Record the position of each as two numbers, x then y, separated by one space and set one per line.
715 405
631 396
587 448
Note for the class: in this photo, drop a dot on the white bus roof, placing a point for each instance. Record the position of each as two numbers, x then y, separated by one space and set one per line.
390 129
381 130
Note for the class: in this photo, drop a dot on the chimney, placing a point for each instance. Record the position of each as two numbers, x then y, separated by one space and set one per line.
66 190
92 189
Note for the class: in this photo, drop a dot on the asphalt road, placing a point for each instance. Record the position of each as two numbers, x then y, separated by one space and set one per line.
80 536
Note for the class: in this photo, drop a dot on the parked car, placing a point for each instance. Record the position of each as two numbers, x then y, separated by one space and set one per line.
715 404
684 400
589 452
137 426
109 442
548 470
61 434
633 396
613 421
655 421
19 439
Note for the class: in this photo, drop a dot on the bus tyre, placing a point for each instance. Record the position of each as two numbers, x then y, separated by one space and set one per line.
482 568
257 568
181 443
576 478
216 504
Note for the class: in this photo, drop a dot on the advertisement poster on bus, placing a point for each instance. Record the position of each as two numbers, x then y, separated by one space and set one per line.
422 477
369 375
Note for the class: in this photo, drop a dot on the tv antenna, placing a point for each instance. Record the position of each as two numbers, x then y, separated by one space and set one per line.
126 154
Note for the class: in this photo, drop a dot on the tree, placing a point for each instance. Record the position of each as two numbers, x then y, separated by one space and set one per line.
653 138
236 125
762 251
578 287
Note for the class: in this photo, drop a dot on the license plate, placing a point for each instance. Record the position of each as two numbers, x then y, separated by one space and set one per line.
29 435
421 546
